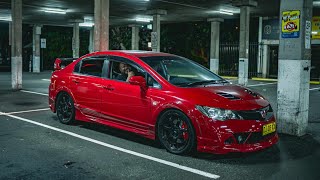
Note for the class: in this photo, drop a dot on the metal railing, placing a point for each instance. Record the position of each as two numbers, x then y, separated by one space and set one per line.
229 59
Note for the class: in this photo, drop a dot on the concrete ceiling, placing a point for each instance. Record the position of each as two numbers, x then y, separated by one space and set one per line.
123 12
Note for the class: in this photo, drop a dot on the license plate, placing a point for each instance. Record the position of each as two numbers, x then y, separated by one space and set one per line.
268 128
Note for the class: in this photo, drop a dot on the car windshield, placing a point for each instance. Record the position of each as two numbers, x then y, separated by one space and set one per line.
181 71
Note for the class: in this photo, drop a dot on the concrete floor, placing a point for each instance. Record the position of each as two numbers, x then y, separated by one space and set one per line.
34 145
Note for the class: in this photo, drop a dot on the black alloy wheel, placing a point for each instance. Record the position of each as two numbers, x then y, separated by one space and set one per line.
176 133
65 108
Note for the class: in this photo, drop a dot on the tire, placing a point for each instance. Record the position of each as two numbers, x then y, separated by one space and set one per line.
176 132
65 108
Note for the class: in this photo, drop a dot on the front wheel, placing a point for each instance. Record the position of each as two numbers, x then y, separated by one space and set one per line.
65 108
176 133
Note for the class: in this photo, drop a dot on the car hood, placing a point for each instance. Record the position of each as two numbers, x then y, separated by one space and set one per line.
229 96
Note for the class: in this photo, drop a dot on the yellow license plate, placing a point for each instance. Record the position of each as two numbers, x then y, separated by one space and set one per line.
268 128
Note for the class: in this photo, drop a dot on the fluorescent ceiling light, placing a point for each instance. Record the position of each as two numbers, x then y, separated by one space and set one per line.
88 18
227 13
317 3
223 11
54 10
5 19
140 19
226 10
86 24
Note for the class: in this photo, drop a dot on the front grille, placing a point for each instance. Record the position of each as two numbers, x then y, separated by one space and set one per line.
263 114
228 96
252 138
257 137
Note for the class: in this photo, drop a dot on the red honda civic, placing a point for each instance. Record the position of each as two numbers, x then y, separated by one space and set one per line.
165 97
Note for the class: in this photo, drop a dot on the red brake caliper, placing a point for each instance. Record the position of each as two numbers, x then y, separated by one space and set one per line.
185 134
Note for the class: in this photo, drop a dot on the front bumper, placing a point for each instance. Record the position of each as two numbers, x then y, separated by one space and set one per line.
222 137
52 104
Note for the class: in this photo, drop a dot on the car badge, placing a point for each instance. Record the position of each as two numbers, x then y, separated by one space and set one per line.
263 114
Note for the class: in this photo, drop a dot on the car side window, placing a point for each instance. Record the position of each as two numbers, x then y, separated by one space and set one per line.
92 67
151 82
77 67
122 68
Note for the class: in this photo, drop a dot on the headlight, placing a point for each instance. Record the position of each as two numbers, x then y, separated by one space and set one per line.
218 114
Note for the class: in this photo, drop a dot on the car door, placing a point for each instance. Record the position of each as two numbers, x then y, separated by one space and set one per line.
85 85
122 102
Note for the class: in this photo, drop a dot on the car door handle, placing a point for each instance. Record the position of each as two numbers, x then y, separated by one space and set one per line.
109 88
75 81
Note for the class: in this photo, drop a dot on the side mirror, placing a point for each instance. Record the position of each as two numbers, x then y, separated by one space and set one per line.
56 65
138 80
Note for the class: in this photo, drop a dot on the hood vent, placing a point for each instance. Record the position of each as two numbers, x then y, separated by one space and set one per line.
228 96
251 92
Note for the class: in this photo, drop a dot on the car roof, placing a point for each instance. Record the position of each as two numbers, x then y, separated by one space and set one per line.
138 53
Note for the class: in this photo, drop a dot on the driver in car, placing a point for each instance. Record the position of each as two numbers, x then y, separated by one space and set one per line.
125 72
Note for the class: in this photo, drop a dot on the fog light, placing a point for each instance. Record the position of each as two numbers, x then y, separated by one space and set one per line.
241 137
229 141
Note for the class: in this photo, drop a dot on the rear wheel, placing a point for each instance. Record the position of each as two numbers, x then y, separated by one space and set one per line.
65 108
176 133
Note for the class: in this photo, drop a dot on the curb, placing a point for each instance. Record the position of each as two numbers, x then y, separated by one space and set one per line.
229 77
266 79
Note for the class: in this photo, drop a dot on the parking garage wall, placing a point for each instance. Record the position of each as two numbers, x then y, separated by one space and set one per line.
4 47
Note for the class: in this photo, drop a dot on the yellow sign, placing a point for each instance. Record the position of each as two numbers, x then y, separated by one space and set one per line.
316 27
290 26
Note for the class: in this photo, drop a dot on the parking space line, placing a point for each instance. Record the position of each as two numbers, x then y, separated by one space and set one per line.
34 110
45 79
32 92
253 85
161 161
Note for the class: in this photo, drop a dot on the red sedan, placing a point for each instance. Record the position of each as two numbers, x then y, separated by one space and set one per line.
162 96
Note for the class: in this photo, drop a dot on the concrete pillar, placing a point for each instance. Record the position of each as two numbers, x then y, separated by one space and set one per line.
101 25
259 58
36 49
156 31
294 68
244 45
135 37
215 44
10 33
244 38
75 40
90 48
155 35
265 61
16 53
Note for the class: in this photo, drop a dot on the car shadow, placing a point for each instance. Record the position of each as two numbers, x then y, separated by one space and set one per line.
288 147
118 133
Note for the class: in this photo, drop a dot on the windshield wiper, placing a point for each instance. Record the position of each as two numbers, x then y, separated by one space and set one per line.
222 81
199 83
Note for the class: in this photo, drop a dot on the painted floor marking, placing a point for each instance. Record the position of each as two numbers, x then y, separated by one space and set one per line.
32 92
265 84
161 161
34 110
45 79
